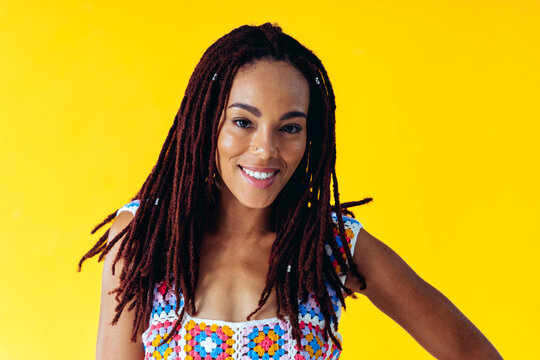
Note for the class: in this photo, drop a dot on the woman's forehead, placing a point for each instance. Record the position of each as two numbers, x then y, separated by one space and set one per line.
270 83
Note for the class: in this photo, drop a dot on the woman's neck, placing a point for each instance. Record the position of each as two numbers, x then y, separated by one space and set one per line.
232 217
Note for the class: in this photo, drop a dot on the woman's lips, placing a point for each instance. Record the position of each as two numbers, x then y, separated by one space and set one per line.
259 183
259 169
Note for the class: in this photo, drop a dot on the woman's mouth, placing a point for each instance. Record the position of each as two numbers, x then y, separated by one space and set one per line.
259 179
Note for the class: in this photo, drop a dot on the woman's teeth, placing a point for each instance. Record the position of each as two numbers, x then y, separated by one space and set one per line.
259 175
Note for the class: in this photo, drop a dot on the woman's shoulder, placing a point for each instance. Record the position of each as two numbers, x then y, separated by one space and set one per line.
349 222
131 206
352 227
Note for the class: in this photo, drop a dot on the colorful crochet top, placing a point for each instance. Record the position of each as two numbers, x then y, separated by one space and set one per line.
265 339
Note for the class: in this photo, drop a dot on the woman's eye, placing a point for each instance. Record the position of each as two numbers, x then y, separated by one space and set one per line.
291 128
243 123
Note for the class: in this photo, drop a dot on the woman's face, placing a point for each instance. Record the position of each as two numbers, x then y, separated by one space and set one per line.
263 131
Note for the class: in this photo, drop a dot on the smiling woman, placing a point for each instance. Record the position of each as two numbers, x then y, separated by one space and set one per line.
232 249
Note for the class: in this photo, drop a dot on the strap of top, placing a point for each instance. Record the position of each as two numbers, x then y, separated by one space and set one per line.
131 207
352 228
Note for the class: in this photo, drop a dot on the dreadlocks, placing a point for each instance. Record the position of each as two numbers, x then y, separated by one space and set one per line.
163 239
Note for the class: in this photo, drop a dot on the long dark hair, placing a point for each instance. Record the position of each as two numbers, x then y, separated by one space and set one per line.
162 242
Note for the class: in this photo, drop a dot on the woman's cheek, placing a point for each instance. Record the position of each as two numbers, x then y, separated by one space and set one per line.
295 150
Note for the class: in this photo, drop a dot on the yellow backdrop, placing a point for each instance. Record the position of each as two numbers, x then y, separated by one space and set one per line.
437 121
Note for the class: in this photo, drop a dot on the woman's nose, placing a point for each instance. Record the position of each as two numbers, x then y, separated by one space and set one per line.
264 145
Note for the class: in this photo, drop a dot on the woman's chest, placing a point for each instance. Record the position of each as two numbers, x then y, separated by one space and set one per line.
232 277
230 282
201 338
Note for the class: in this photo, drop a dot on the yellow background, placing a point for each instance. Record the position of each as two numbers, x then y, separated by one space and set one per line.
437 121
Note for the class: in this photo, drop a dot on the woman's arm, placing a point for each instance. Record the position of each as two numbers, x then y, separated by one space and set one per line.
114 342
425 313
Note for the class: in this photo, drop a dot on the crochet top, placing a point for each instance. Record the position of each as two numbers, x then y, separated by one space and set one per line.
265 339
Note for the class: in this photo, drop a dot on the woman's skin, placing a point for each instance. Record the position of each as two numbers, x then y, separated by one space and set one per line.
240 238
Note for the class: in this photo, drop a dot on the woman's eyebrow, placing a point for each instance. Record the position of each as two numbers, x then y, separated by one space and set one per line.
252 109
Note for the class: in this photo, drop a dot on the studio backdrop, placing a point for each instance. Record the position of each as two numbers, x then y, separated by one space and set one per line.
437 121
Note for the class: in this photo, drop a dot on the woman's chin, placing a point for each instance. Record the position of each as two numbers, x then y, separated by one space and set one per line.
256 203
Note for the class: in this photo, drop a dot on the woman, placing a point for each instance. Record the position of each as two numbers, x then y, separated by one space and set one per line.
231 248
